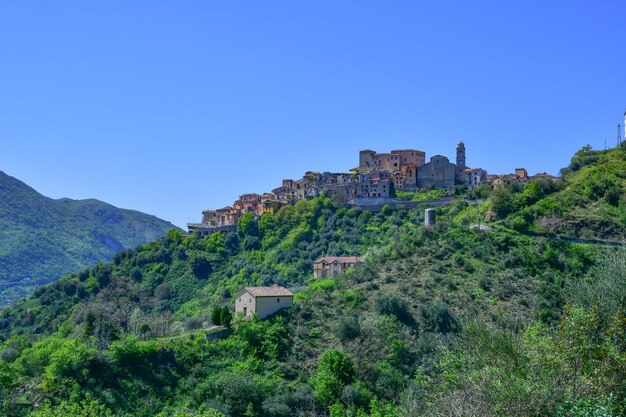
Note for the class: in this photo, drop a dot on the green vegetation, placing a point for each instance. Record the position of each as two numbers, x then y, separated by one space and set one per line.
421 195
42 239
589 201
442 321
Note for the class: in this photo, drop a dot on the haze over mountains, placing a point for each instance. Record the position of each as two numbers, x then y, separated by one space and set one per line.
42 239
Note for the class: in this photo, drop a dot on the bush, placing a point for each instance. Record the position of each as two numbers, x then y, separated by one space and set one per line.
348 328
200 266
251 243
437 318
392 304
225 316
334 371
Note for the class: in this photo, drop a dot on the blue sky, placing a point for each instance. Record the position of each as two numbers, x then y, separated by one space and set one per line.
174 107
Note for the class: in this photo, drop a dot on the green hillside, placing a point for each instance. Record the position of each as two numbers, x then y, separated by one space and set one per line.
588 202
438 321
42 239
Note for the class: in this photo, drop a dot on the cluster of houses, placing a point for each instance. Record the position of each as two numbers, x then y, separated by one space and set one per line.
265 301
374 181
519 176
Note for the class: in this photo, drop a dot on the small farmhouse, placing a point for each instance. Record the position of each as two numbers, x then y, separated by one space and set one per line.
262 301
331 266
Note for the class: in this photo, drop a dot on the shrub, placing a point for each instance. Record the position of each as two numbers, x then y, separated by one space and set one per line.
334 371
200 266
348 328
392 304
437 318
225 316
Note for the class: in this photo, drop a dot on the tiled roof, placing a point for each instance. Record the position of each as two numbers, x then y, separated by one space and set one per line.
267 291
342 259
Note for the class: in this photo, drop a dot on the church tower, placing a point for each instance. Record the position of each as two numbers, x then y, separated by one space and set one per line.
460 159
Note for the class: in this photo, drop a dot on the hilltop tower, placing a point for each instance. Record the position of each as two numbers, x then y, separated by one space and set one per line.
460 159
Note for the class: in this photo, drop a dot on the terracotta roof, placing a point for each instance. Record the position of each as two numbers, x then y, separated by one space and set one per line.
267 291
342 259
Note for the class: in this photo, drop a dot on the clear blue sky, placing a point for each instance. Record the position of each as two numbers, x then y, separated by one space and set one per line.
174 107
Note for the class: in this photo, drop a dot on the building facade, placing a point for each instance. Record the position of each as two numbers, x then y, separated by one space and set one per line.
439 173
370 160
262 301
331 266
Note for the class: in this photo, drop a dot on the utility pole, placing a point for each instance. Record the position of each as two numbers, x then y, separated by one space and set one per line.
619 134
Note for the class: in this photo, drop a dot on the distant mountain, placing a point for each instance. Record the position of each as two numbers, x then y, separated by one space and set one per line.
42 239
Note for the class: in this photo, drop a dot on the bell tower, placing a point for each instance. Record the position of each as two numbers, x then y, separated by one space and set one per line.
460 158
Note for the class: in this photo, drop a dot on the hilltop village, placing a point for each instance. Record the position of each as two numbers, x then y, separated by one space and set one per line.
373 182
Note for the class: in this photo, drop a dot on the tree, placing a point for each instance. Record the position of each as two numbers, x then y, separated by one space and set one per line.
334 371
200 265
225 316
348 328
247 225
144 329
392 304
502 202
216 316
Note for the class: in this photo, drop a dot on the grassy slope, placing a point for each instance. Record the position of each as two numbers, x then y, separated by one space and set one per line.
42 239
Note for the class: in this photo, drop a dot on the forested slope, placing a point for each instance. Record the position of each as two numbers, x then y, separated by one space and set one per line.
439 321
42 239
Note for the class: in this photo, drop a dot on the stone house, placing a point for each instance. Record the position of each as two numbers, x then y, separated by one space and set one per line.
521 173
399 179
410 174
227 216
251 202
369 160
410 156
285 194
209 218
475 177
520 176
262 301
214 220
374 184
331 266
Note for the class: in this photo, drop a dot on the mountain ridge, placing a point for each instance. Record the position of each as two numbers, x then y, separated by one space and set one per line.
42 239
